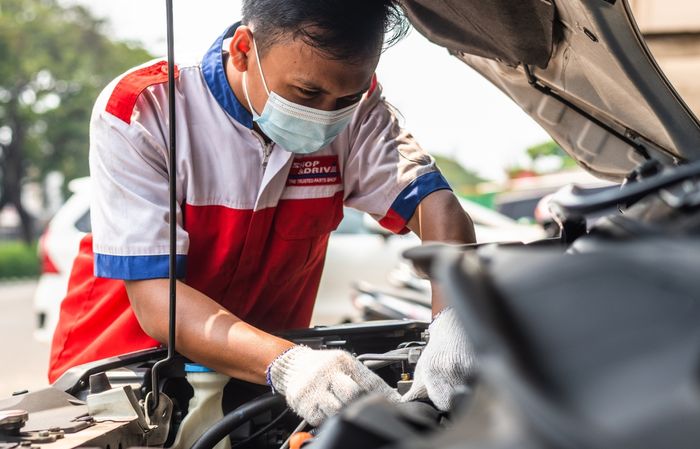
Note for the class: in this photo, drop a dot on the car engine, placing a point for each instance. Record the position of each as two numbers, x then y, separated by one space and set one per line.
104 404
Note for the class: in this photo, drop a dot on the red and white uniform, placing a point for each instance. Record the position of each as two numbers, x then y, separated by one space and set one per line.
252 228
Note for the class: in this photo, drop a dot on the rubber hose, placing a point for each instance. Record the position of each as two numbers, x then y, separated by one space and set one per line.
235 418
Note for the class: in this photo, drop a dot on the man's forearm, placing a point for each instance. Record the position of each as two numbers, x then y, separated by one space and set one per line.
206 332
440 218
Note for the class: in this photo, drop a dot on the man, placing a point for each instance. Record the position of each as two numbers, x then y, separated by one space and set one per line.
280 125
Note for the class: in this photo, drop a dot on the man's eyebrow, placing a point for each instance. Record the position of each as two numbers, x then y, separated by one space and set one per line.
365 89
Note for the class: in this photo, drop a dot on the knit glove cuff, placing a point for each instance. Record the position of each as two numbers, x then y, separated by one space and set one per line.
284 367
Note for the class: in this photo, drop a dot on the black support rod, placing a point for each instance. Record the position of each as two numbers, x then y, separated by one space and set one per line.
172 191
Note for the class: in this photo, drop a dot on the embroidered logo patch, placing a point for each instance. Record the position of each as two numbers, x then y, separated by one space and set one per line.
314 171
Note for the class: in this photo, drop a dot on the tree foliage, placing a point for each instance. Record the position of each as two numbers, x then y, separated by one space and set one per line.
549 153
461 180
54 62
550 149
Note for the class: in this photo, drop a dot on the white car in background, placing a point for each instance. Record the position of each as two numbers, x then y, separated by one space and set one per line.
359 249
58 246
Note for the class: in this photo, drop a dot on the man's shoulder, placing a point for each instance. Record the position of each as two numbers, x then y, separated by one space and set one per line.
120 97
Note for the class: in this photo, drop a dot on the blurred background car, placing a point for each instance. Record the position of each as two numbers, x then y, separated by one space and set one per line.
58 246
359 249
521 197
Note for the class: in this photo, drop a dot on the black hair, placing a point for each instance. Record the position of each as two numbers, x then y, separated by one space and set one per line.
341 29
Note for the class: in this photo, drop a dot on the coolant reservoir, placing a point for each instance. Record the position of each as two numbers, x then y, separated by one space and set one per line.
204 408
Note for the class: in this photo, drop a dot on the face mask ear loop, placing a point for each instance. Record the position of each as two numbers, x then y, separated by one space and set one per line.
245 91
257 57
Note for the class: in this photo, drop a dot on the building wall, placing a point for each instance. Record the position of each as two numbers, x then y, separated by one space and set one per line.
667 16
672 32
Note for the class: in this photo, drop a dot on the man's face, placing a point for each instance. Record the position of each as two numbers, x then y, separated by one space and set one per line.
301 74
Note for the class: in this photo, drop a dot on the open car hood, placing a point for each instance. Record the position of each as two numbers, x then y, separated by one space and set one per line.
580 68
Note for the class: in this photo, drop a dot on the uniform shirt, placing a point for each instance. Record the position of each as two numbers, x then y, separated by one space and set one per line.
253 219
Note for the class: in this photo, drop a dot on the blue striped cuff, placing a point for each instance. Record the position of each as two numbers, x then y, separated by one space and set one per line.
410 197
134 268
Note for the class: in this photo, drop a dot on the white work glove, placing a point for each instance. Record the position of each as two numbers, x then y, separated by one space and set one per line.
318 383
446 363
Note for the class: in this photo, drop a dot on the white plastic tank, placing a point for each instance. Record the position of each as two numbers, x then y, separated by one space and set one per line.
204 408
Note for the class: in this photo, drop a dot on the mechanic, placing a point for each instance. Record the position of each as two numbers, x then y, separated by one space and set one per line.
280 125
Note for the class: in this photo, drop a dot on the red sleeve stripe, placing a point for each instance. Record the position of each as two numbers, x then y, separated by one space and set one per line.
123 99
394 222
372 86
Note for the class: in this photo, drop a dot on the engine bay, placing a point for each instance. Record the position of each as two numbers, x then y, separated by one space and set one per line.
105 404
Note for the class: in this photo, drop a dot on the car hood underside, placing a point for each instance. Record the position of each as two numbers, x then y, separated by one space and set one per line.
580 68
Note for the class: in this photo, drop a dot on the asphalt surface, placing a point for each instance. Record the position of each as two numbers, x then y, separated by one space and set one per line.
23 360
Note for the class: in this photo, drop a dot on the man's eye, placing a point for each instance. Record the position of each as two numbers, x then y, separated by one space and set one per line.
307 92
348 101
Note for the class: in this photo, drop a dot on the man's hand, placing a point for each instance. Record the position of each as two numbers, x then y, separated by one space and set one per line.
318 383
447 363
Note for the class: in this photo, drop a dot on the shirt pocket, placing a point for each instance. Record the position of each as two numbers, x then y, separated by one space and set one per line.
301 230
308 218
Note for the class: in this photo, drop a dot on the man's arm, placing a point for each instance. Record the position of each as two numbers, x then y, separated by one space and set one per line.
315 383
440 218
206 332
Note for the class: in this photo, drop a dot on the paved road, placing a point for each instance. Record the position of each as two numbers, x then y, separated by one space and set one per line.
23 360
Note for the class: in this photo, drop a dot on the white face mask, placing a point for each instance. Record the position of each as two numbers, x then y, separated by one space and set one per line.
299 129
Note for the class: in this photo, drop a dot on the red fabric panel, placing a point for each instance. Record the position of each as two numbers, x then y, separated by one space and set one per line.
217 235
281 268
394 222
264 267
123 99
96 319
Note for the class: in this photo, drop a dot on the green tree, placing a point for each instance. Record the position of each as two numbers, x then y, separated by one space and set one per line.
461 180
548 149
54 61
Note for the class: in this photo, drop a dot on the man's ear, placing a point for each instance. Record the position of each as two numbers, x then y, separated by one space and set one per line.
240 47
